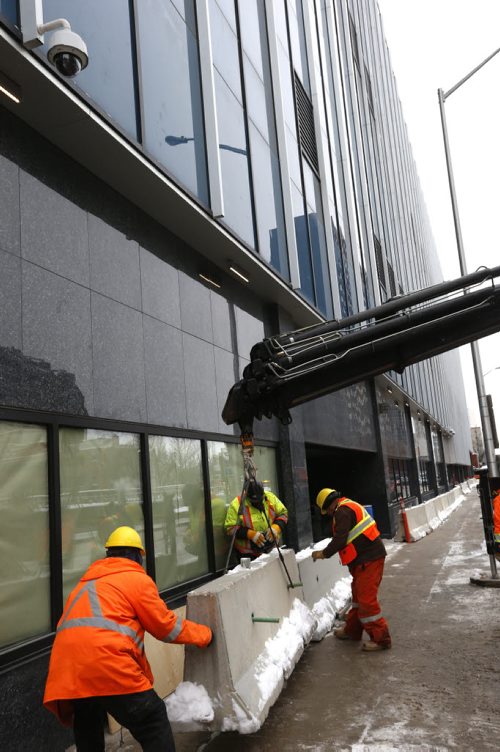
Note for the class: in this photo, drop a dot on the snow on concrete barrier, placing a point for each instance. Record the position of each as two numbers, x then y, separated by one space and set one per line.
244 670
261 627
326 587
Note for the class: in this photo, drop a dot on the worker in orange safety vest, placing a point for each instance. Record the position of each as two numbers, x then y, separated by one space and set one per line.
98 664
357 540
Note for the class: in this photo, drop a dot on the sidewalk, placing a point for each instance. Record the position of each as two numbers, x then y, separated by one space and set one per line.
437 689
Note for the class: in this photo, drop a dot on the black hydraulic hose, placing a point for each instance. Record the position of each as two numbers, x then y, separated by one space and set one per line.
263 349
382 329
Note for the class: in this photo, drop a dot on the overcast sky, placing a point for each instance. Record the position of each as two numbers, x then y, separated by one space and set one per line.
434 44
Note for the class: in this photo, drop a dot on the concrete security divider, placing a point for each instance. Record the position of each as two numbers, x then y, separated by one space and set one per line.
424 518
261 626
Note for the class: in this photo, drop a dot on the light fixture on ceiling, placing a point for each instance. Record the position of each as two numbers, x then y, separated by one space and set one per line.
210 280
238 273
388 389
10 89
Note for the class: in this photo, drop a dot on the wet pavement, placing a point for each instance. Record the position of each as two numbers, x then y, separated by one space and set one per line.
437 690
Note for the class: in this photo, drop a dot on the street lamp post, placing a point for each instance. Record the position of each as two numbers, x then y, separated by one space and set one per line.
476 358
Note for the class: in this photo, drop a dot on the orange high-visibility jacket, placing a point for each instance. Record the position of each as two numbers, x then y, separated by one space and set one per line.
496 519
99 644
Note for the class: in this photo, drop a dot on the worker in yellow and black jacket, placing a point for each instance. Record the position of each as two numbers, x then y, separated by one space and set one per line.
260 524
357 540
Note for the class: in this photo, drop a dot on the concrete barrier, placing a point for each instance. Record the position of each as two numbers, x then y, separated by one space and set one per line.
241 680
326 588
424 518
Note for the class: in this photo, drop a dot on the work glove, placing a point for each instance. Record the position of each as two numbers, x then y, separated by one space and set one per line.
256 537
318 555
273 533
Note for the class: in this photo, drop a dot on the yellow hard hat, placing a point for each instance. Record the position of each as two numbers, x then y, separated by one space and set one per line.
125 536
323 496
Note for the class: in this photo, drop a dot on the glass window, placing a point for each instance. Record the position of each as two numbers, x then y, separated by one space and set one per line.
226 482
423 456
268 206
24 533
179 525
100 490
109 77
262 135
234 162
170 80
225 49
301 237
318 242
298 41
8 9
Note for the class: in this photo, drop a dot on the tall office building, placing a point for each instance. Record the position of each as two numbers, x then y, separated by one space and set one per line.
221 171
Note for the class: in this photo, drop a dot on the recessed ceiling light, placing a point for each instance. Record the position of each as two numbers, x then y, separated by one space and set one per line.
10 89
210 280
234 269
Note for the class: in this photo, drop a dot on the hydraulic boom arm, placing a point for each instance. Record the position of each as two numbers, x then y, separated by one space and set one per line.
293 368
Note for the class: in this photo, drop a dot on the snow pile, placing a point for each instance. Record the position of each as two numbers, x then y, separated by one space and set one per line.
326 609
190 706
241 721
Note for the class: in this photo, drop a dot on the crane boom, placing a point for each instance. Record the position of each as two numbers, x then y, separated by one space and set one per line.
293 368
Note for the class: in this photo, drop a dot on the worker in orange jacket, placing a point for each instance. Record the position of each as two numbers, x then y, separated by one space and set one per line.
495 485
98 664
357 540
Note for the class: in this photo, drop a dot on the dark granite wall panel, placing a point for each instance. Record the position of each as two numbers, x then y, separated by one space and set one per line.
201 393
57 329
221 322
160 289
342 419
164 371
114 264
224 374
9 207
25 725
10 300
118 360
53 230
196 313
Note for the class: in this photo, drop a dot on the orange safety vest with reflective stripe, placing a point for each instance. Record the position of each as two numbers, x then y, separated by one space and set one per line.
99 644
496 520
254 519
365 525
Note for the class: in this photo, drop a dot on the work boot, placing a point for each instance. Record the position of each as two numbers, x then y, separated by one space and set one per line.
341 634
372 647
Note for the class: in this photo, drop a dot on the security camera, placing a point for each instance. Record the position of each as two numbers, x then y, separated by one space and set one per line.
68 52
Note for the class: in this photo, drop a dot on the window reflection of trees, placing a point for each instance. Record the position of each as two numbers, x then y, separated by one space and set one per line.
179 524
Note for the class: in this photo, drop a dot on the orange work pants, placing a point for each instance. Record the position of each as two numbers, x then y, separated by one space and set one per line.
365 612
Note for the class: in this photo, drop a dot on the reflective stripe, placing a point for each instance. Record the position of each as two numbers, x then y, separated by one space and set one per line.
101 623
497 537
97 619
175 632
363 525
368 619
